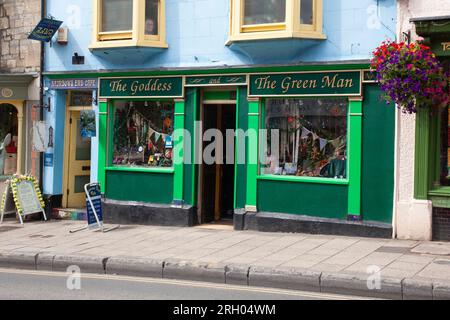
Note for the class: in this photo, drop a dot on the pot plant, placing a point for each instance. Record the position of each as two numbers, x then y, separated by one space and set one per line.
411 76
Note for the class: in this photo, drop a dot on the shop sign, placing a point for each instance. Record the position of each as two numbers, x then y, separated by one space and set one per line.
13 93
149 87
369 76
94 206
45 30
223 80
445 46
73 84
342 83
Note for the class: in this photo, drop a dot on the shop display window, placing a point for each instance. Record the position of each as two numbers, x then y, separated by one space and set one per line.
312 137
143 134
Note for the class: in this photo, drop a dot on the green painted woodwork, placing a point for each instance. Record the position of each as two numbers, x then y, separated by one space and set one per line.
137 169
139 186
440 197
141 87
190 169
102 142
422 154
304 179
354 146
179 124
216 95
311 199
252 152
378 148
305 84
216 80
224 71
241 169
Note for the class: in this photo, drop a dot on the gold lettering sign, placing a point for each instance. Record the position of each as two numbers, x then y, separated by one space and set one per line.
446 46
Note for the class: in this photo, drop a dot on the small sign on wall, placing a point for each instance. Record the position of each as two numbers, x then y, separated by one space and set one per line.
48 159
40 137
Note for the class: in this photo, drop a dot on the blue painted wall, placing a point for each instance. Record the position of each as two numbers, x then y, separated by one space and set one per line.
52 181
198 29
196 34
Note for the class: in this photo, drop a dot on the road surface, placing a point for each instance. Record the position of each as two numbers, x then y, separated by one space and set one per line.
38 285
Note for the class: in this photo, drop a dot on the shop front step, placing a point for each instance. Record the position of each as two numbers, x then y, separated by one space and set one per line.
69 214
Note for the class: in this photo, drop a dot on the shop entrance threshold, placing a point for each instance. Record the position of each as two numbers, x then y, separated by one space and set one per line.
217 225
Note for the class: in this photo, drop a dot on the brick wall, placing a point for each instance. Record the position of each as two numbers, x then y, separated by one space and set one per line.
441 224
17 19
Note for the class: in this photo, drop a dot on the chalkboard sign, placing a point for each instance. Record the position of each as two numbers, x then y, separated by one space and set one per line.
94 206
23 196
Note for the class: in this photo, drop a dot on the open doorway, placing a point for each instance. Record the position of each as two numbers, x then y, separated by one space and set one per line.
9 140
216 180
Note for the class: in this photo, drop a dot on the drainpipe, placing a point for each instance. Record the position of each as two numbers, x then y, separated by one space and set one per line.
41 102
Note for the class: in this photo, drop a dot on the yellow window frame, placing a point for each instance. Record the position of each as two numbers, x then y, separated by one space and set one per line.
129 38
291 28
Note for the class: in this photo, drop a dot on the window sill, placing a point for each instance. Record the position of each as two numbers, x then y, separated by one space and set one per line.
272 35
440 192
143 170
271 177
99 45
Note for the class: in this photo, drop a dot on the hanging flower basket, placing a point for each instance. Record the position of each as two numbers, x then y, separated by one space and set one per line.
411 76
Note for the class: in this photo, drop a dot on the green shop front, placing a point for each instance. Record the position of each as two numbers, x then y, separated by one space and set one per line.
432 154
294 148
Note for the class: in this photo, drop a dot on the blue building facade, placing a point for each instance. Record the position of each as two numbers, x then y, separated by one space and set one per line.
143 69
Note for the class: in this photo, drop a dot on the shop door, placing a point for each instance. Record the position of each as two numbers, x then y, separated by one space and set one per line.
79 163
216 196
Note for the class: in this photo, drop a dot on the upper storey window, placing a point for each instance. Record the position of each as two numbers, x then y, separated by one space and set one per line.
271 19
128 23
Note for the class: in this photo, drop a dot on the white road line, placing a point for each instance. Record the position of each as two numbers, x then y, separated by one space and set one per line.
187 284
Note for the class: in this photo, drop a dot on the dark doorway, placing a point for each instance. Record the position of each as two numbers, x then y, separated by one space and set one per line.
216 196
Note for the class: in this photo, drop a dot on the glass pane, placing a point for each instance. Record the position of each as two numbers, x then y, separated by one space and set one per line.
83 148
80 182
143 134
80 98
307 14
445 141
264 11
151 17
306 137
117 15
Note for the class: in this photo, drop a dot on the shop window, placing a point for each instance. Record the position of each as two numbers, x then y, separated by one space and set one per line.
271 19
80 98
445 148
127 23
142 135
312 138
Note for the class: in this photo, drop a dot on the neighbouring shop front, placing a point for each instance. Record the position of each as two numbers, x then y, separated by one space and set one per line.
71 133
333 170
432 171
19 98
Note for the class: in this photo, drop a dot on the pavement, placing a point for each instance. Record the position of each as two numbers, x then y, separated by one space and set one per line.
377 268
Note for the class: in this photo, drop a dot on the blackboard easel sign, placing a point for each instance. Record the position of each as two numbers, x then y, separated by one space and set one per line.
22 196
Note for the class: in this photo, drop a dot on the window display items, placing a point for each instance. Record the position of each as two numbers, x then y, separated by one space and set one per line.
312 137
143 134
